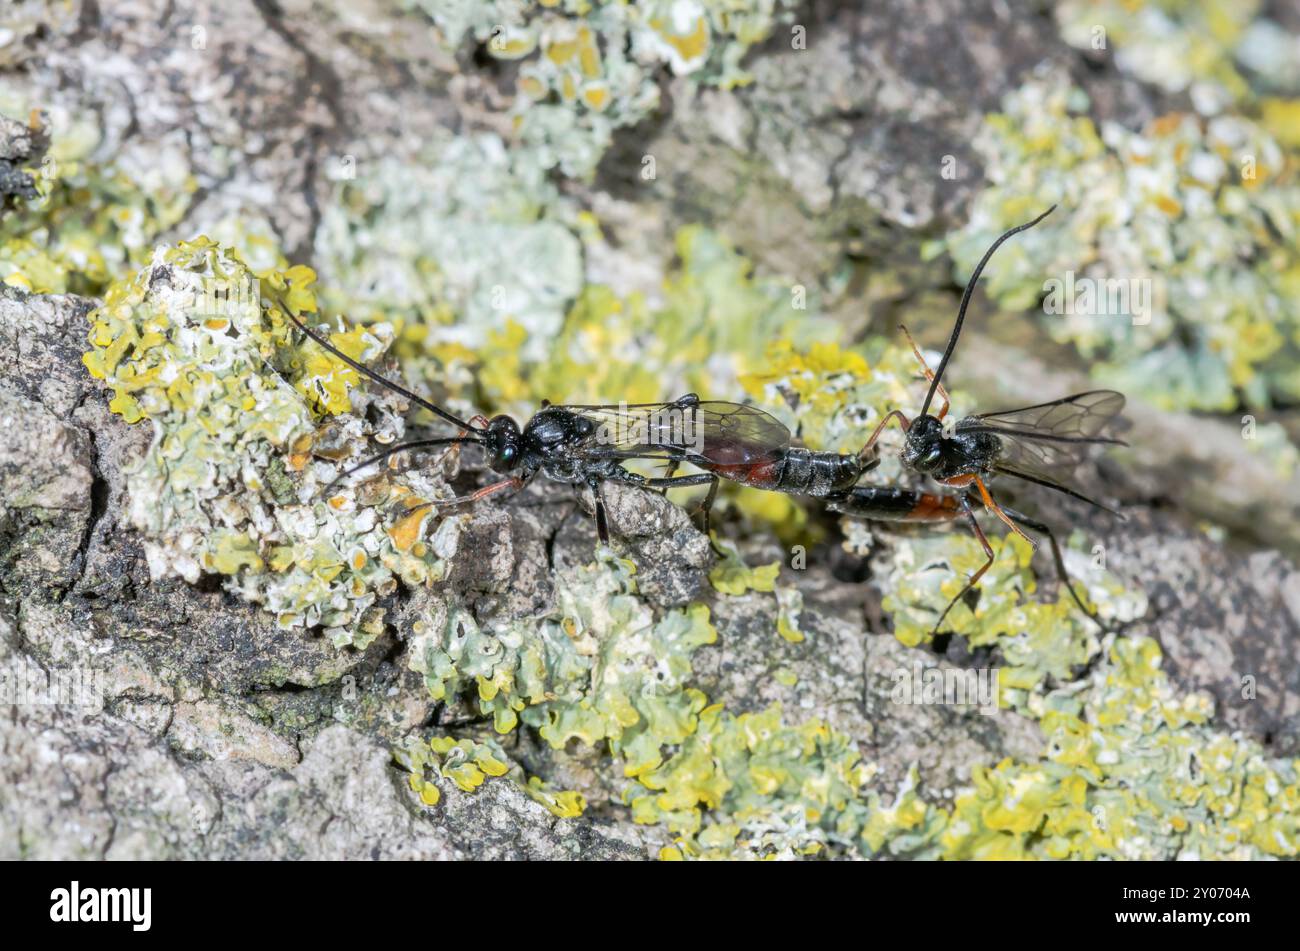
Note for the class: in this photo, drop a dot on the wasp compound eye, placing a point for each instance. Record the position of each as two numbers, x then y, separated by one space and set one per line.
929 459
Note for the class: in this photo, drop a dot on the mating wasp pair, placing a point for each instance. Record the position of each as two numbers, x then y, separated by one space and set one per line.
1040 444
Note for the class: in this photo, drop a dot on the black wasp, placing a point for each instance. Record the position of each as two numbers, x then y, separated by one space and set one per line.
588 445
1042 444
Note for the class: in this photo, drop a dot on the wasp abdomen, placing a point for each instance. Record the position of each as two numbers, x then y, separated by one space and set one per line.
894 504
804 472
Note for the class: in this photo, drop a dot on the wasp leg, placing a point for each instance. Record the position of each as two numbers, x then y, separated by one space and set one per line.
929 374
1059 560
670 470
681 482
706 507
997 510
903 421
381 456
479 420
663 484
418 444
974 579
602 519
964 481
483 493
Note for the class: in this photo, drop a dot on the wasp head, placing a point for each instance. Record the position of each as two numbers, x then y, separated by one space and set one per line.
503 443
924 450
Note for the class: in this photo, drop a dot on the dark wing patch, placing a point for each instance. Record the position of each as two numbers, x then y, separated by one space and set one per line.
710 431
1048 441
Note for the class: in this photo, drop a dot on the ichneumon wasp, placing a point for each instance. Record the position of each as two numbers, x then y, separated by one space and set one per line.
579 445
1041 444
589 444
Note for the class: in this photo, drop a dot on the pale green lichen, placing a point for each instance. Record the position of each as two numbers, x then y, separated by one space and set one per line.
1270 441
91 220
464 241
1131 770
1216 50
488 293
753 786
468 763
600 667
731 575
232 482
789 603
1200 215
1041 642
588 67
712 327
104 204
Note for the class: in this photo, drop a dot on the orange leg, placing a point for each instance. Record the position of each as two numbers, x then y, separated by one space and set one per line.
483 493
965 480
929 374
903 421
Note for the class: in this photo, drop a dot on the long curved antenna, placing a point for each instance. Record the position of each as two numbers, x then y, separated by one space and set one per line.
965 300
394 450
372 375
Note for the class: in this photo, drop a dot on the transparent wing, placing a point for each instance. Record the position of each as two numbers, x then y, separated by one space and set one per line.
710 431
1050 440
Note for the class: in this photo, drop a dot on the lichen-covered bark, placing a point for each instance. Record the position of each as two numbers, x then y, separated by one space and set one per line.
230 730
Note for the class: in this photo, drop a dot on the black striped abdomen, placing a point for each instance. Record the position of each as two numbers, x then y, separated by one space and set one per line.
804 472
